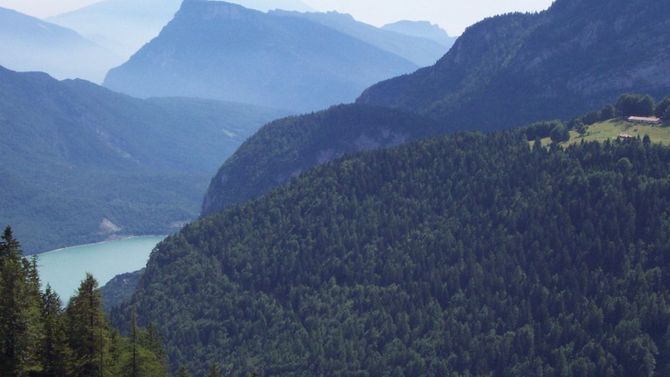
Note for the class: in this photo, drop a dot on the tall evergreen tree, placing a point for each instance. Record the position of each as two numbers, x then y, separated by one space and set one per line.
13 322
88 332
54 352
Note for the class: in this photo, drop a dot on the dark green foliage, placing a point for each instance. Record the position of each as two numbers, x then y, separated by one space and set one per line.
559 134
591 118
635 105
662 107
74 154
120 289
468 255
55 352
286 147
39 339
666 116
182 372
515 69
608 112
540 130
214 371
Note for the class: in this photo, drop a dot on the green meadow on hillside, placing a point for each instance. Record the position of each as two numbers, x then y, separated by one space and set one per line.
611 129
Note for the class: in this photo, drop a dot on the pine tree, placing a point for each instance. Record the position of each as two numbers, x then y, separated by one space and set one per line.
87 330
151 340
54 351
134 370
13 322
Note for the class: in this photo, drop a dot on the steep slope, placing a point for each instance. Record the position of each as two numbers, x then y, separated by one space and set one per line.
419 50
422 29
469 255
74 154
224 51
287 147
124 26
509 70
30 44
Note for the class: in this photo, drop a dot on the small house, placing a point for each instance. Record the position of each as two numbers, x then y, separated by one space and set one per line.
645 120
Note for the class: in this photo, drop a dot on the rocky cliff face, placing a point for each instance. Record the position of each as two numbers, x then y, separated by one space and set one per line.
513 69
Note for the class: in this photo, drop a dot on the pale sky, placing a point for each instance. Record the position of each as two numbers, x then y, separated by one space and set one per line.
452 15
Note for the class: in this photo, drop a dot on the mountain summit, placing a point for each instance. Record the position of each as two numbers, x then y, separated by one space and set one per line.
225 51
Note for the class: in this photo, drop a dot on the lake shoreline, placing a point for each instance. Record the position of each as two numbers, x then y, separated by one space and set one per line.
118 238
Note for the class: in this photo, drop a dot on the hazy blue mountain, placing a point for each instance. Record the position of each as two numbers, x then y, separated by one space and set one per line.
285 148
225 51
268 5
30 44
124 26
513 69
422 29
419 50
80 163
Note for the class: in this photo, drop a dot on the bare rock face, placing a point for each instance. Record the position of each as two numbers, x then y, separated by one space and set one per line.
108 227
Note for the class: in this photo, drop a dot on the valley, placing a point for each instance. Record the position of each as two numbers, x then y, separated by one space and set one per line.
342 190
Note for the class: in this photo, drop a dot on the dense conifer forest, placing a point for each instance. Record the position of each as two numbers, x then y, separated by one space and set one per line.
465 255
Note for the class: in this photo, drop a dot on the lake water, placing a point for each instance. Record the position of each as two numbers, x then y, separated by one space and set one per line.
65 268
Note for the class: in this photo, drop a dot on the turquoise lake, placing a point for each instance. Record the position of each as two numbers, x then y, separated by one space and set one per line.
65 268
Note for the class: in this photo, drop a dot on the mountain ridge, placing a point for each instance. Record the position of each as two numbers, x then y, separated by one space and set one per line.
76 156
297 64
559 63
30 44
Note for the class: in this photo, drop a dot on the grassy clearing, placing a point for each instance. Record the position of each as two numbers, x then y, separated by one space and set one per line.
611 129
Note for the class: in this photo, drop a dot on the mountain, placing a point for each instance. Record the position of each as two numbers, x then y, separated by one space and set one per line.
422 29
286 147
467 255
124 26
419 50
510 70
224 51
30 44
81 163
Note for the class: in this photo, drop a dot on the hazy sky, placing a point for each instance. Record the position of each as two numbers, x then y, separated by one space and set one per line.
452 15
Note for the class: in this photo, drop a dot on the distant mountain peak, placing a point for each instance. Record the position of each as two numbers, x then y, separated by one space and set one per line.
423 29
225 51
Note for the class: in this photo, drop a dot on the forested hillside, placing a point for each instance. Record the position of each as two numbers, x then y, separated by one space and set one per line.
513 69
287 147
466 255
80 163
